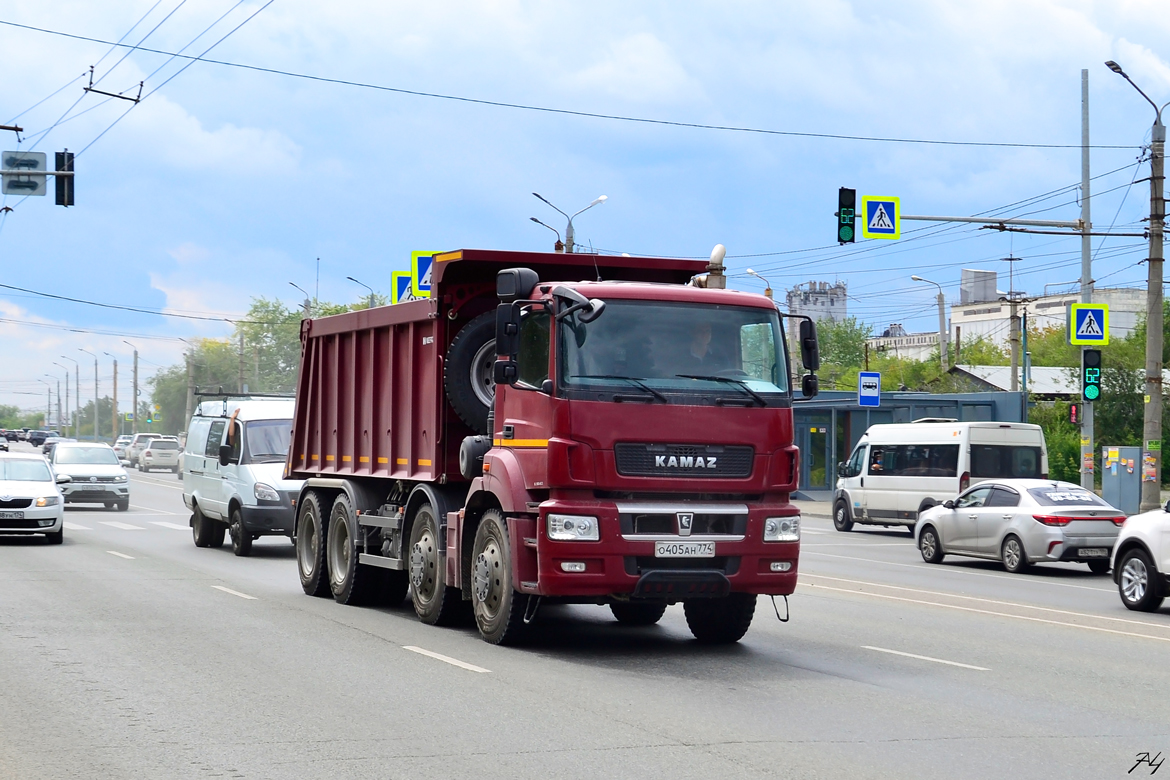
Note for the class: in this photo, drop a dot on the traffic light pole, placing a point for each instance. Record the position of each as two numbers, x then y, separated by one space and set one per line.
1087 439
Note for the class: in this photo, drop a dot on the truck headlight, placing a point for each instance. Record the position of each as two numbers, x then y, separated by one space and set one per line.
782 529
48 501
265 492
573 528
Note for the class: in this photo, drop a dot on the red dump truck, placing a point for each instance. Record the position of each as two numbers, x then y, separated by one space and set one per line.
523 437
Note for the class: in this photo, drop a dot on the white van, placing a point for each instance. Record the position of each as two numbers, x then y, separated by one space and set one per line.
897 471
233 472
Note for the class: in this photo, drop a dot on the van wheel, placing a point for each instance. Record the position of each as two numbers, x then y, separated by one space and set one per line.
842 520
467 373
206 532
1015 560
241 539
434 602
499 610
311 546
929 545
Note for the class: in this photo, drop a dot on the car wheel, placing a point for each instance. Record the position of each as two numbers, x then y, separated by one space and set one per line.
930 546
1138 582
109 505
842 520
241 539
1099 567
124 506
55 538
1015 560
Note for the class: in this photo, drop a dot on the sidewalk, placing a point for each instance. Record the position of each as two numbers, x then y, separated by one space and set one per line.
815 509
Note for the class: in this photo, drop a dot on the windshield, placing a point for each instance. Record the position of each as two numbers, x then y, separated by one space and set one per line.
676 347
164 444
88 455
267 440
25 471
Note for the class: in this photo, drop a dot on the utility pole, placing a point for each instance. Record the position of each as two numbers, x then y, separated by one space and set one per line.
134 405
60 424
114 428
1015 343
190 386
1087 438
95 392
240 380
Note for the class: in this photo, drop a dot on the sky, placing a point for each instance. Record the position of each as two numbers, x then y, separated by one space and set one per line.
229 183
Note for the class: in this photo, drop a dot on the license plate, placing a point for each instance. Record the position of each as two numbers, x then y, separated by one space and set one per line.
684 549
11 515
1093 552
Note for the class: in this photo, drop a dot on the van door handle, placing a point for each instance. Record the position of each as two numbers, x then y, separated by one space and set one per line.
972 517
863 481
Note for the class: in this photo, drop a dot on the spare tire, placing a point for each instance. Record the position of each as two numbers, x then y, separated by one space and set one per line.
468 373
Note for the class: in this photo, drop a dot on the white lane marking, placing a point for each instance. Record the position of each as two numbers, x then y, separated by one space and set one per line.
953 570
121 555
76 527
926 658
854 544
998 603
813 531
447 659
234 592
122 526
993 613
176 526
152 511
160 483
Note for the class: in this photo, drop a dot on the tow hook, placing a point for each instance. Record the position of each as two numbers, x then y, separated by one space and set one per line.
787 615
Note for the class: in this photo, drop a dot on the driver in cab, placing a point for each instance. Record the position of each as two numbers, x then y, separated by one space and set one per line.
701 357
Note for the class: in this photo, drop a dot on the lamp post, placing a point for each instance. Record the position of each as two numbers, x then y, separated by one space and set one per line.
767 284
559 246
943 337
190 383
77 392
363 284
134 405
95 391
48 401
67 417
569 230
115 428
1152 419
307 302
58 380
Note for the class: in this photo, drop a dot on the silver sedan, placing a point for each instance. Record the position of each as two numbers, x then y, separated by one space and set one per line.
1021 522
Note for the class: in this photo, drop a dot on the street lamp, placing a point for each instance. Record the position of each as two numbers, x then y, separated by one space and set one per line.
48 400
115 424
67 417
1152 418
767 284
95 391
307 302
134 405
363 284
569 230
77 388
58 380
943 336
559 246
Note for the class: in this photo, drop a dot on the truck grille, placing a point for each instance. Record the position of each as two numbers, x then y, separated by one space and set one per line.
685 461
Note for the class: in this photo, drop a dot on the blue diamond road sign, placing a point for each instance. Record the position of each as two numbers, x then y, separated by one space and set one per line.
869 388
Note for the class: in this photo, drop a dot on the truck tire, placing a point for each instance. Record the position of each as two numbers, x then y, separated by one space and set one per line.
467 372
206 532
633 614
241 539
435 602
720 621
499 610
310 540
350 581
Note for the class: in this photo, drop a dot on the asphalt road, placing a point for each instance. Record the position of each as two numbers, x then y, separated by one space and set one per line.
129 653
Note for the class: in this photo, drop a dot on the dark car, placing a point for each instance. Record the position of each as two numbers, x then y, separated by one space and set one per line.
37 438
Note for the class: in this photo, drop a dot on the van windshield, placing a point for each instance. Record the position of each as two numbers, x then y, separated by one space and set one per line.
267 440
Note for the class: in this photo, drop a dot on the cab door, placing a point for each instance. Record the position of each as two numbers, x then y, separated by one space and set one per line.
852 480
881 484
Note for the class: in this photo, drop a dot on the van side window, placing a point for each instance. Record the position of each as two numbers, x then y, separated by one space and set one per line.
1005 461
214 438
197 436
914 460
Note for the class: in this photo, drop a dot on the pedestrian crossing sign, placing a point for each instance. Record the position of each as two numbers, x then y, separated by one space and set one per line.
881 217
1089 324
420 267
402 290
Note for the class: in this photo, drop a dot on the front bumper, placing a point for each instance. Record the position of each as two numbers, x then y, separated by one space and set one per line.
624 565
95 492
268 520
34 521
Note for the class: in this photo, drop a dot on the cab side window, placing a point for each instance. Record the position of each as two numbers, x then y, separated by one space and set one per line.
532 360
856 463
214 438
235 438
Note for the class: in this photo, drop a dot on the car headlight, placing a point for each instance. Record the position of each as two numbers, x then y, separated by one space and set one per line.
265 492
48 500
782 529
573 528
120 478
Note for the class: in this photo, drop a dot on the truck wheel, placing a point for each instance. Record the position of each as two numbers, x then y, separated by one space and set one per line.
629 614
351 582
311 547
842 520
720 621
434 602
499 610
467 373
241 539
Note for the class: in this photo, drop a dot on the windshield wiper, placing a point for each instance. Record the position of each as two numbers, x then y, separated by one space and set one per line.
637 381
742 385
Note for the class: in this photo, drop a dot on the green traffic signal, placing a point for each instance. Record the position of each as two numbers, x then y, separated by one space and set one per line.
846 213
1091 374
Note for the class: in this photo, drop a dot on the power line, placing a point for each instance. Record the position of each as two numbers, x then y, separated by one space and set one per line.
569 112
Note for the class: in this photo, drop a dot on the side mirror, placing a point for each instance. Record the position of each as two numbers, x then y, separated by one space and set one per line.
504 372
810 351
949 504
63 479
225 454
841 470
592 311
515 284
507 330
809 385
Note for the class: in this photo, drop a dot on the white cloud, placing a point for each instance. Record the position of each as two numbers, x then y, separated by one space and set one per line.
638 68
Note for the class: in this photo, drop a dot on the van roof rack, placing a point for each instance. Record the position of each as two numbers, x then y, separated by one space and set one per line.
936 420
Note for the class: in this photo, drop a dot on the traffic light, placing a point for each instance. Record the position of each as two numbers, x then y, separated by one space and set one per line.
1091 374
64 183
1074 414
846 211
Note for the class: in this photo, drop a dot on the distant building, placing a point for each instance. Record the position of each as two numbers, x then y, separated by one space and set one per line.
897 342
818 300
991 319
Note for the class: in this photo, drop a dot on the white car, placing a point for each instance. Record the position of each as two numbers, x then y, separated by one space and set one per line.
30 501
122 447
160 454
95 475
1141 560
